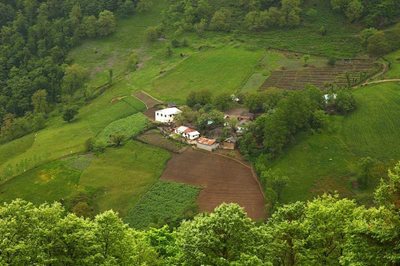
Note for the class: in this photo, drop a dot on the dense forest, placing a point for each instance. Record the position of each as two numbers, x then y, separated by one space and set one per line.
325 231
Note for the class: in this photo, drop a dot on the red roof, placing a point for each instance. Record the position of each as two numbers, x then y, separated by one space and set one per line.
206 141
188 130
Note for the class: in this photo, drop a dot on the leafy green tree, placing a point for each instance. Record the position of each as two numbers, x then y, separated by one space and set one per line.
75 77
223 101
372 238
89 25
201 98
345 101
378 45
221 20
210 120
366 173
70 113
39 101
133 60
106 23
127 8
219 238
388 191
144 5
276 181
354 10
366 34
306 58
117 139
152 34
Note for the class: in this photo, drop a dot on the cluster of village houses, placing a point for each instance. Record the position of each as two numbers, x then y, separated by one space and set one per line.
194 137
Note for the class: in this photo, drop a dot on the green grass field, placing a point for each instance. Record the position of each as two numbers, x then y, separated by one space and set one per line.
217 70
165 202
328 161
62 139
124 174
128 127
120 176
49 182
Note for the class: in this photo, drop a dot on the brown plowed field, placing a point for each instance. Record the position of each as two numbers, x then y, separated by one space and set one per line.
146 99
320 77
222 180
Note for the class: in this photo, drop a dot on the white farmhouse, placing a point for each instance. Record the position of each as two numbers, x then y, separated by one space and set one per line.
167 115
187 133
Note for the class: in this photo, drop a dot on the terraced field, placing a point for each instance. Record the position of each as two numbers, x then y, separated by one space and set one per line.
344 72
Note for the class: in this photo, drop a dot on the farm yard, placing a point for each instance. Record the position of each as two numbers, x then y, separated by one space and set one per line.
221 179
343 73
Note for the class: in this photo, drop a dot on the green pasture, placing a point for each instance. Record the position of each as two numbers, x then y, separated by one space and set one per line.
124 175
120 176
127 127
61 139
165 202
101 55
218 70
328 161
47 183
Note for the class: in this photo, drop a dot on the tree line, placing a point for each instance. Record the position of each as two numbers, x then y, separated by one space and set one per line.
35 37
327 230
375 13
224 16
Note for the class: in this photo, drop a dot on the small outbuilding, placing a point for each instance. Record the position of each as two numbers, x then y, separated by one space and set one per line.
167 115
229 144
207 144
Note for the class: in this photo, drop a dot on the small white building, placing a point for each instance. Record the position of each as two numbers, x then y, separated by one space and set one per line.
187 133
330 97
207 144
167 115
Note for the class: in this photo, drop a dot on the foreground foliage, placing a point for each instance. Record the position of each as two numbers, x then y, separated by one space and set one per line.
327 230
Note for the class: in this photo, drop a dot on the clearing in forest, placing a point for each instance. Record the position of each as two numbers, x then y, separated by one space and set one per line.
222 180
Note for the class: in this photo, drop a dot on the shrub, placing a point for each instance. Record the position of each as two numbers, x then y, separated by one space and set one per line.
152 34
323 31
70 113
345 102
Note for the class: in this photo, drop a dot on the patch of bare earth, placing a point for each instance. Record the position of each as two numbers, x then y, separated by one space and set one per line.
148 100
222 180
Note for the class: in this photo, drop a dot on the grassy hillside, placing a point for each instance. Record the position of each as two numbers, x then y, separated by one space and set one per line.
328 161
218 70
220 62
113 180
